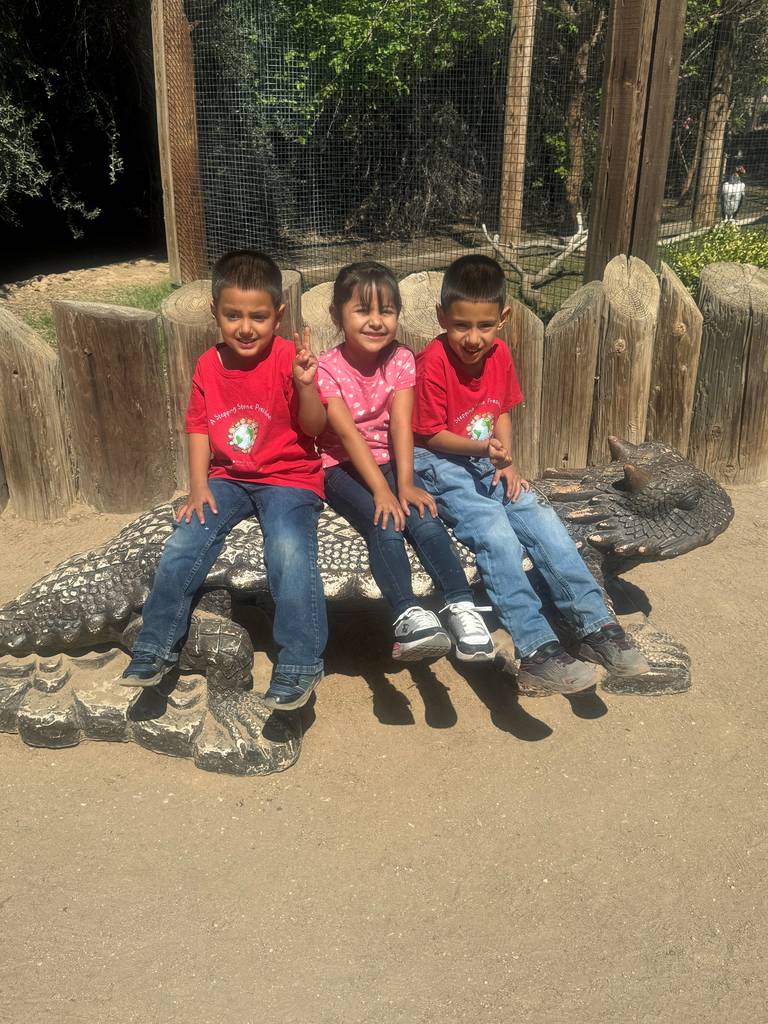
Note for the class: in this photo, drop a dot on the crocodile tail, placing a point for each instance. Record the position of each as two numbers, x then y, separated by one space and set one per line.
89 598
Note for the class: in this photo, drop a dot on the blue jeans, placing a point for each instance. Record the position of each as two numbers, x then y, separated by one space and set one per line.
288 518
497 530
346 493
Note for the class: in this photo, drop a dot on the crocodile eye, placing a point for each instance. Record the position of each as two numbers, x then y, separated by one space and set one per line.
688 501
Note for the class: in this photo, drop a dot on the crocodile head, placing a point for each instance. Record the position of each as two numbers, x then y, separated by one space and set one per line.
648 504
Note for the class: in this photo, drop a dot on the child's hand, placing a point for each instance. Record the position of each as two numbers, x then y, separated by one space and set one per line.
514 483
387 505
498 454
305 363
198 497
412 495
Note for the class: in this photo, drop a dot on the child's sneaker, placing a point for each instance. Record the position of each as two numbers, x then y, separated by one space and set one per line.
612 648
289 694
144 670
471 639
552 667
419 635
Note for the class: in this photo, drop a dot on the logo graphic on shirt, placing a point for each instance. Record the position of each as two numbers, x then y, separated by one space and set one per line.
243 435
481 427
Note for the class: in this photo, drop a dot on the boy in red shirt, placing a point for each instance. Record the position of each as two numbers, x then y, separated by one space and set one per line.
465 386
252 418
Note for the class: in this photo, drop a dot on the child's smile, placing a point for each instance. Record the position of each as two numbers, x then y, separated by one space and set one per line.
247 320
471 328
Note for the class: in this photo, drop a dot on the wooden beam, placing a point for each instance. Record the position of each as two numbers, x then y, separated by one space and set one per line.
519 63
177 141
639 87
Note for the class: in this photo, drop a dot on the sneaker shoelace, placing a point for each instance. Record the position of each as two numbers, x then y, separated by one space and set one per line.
470 620
417 618
552 649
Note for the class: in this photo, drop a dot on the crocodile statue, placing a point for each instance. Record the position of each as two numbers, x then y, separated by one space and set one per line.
63 642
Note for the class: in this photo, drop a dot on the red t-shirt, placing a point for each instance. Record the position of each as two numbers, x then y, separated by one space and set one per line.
448 398
251 419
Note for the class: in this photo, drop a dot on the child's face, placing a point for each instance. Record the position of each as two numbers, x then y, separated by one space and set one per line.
471 328
247 320
368 329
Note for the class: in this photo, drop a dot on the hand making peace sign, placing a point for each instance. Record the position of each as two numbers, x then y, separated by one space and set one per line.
305 363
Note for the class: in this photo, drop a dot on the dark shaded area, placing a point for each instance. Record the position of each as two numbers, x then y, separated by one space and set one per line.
96 136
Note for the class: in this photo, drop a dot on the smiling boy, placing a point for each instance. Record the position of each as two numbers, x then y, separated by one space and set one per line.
252 418
465 386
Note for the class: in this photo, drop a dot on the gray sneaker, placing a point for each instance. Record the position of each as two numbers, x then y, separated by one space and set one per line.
552 668
612 648
471 639
419 635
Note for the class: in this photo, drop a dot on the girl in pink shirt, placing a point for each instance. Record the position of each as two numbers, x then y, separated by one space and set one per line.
368 384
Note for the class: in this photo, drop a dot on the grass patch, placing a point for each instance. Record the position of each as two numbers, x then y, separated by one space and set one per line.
142 296
726 243
41 321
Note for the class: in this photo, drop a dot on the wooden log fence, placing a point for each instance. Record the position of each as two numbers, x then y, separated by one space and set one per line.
102 420
117 397
33 429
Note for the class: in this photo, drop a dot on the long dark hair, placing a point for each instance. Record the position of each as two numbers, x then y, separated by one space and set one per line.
367 276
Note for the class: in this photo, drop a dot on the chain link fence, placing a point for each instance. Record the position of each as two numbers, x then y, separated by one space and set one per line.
413 131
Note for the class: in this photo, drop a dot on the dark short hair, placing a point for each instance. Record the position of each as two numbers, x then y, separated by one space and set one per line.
248 270
367 276
474 278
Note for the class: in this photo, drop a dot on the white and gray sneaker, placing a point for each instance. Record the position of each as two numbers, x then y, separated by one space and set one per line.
419 635
471 638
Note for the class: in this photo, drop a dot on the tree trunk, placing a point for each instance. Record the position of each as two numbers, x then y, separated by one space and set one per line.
693 170
574 117
519 61
716 119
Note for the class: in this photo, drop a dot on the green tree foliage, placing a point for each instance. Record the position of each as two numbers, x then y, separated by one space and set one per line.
725 243
61 65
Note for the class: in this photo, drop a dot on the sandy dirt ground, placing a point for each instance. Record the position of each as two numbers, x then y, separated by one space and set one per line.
442 852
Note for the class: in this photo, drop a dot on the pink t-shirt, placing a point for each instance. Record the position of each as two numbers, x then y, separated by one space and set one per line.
367 396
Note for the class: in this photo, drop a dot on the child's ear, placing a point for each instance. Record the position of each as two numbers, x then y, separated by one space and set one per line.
505 313
441 317
279 313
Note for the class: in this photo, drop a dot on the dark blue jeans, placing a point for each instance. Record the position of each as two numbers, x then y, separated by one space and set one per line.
288 518
346 493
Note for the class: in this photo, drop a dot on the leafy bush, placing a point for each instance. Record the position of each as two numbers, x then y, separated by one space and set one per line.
725 243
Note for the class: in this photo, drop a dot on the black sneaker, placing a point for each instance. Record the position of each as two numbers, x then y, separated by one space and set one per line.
289 694
552 668
145 670
419 635
612 648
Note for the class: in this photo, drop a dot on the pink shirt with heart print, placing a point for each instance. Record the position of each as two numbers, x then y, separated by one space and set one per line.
367 396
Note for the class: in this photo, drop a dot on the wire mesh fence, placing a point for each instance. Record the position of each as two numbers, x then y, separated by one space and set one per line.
413 131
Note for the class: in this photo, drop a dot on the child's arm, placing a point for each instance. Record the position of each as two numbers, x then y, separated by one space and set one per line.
312 414
401 436
199 491
509 473
360 456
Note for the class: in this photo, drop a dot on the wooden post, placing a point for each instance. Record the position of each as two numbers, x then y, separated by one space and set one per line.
675 362
420 293
625 350
291 323
519 62
117 396
314 310
524 335
33 428
189 330
639 87
729 432
570 359
177 141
